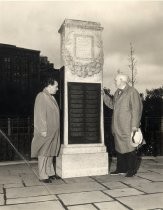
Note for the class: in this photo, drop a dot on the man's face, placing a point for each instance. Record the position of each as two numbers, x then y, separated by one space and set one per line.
118 82
53 88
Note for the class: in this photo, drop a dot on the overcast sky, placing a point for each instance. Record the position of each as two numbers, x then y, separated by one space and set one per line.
35 25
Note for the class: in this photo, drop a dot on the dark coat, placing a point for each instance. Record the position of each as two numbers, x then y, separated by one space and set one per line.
46 119
127 111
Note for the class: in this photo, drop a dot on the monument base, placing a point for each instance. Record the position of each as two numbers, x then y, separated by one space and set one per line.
82 160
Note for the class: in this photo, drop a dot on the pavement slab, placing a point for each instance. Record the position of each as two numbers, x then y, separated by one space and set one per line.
112 205
14 185
156 164
143 202
48 205
155 177
134 181
109 178
79 180
153 187
142 170
4 172
31 199
14 167
33 180
76 187
30 180
84 198
123 192
52 189
114 185
26 192
82 207
23 170
8 179
153 166
158 170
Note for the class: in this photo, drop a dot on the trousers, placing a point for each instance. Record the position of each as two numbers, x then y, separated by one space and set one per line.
45 167
127 162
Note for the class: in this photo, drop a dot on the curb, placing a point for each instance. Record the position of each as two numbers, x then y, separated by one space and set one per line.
6 163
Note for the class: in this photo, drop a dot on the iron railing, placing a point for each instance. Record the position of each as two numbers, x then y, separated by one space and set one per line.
152 128
20 133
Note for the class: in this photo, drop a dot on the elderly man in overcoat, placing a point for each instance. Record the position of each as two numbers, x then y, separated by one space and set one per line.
46 141
127 111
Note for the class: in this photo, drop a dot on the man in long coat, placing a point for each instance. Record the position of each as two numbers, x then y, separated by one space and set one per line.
46 141
127 111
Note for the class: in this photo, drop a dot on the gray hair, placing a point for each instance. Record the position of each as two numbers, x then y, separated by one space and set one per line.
123 77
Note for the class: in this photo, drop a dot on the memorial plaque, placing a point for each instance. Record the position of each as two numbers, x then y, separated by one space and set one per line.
84 112
83 47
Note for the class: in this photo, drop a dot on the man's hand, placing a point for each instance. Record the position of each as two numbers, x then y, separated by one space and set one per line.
43 134
106 91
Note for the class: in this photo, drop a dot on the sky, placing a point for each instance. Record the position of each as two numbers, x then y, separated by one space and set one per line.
35 24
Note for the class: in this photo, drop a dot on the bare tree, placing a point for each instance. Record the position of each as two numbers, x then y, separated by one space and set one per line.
132 65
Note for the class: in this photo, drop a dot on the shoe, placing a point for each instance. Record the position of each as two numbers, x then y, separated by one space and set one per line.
46 180
57 177
130 174
52 177
114 173
122 173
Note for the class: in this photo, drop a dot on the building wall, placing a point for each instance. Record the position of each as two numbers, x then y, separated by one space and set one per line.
20 78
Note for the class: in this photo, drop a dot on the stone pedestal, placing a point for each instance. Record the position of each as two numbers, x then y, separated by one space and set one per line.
83 152
83 160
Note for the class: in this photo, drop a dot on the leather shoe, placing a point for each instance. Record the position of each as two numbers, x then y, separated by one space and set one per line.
117 173
57 177
130 174
52 177
46 180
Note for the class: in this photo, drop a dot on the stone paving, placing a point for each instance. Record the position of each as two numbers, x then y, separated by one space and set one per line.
21 189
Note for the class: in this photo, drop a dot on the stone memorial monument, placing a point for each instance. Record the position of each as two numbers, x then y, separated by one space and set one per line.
83 152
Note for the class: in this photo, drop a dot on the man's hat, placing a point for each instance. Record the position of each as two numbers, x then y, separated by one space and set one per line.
136 138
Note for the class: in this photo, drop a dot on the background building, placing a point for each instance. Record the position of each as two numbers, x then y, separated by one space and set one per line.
21 74
20 78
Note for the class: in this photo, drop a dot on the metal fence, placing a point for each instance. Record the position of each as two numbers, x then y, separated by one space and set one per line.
153 133
152 128
20 132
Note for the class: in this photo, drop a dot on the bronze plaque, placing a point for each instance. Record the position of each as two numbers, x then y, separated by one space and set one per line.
84 105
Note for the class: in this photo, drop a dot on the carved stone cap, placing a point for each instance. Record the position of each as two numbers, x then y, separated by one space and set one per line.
80 24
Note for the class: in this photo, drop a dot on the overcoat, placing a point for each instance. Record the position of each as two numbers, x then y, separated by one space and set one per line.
46 119
127 111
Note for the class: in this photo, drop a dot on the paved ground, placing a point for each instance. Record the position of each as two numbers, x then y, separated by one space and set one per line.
20 189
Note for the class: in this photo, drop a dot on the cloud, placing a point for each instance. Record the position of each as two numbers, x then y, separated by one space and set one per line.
34 25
